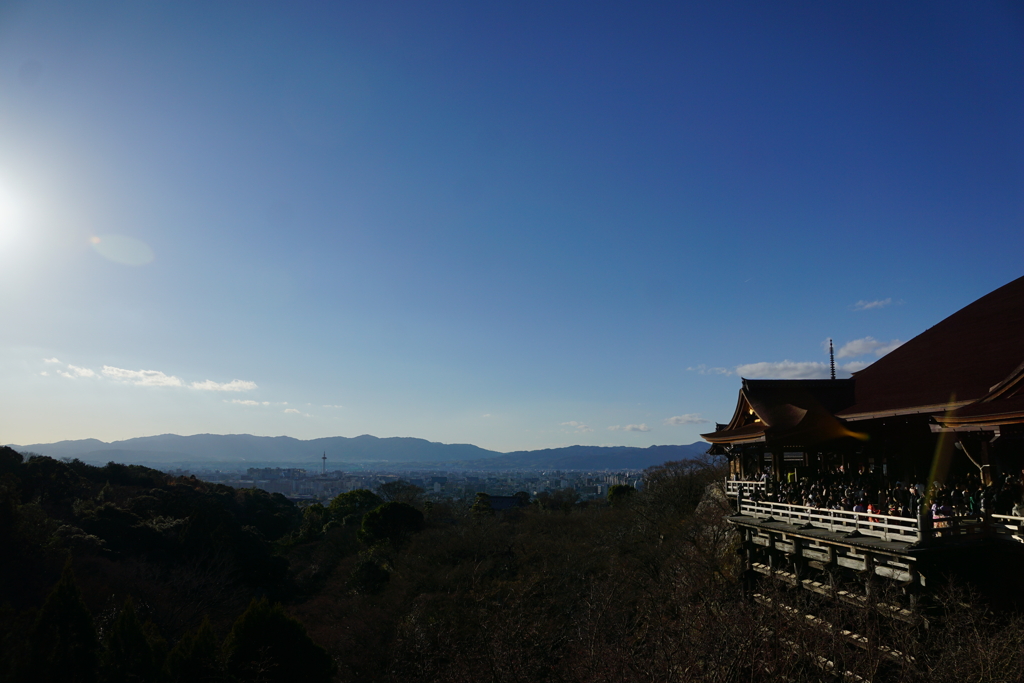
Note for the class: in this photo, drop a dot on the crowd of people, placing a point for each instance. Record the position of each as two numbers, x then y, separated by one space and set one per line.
867 490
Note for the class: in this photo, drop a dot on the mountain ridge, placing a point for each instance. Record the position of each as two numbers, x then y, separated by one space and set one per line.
364 449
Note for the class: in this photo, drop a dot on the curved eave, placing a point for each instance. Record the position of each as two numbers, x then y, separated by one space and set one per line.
736 436
983 420
898 412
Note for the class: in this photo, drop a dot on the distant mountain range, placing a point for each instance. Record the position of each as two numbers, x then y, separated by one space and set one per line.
246 449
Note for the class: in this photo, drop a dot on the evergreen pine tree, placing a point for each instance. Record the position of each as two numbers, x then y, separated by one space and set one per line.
62 645
267 645
196 658
130 655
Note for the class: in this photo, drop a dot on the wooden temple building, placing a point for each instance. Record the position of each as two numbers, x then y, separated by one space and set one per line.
949 402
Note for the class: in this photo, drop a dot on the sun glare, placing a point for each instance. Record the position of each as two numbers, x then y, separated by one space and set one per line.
11 215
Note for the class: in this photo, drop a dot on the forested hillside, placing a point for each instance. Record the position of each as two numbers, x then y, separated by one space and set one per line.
122 573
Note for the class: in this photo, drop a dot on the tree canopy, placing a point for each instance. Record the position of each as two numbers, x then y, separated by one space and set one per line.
268 646
357 502
392 522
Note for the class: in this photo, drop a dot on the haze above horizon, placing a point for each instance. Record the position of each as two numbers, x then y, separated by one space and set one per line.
517 226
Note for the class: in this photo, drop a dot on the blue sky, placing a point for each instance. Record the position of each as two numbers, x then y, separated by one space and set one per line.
519 225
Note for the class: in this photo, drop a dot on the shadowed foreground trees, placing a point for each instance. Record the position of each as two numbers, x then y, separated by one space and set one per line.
267 645
62 646
350 507
132 652
644 588
196 658
394 522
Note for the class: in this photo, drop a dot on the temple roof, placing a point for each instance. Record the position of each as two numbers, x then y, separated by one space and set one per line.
1003 405
958 361
797 412
967 372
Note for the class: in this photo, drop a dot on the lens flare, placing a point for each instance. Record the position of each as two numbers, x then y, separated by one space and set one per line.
943 452
122 249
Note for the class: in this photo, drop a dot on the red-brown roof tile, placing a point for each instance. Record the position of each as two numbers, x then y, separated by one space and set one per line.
962 357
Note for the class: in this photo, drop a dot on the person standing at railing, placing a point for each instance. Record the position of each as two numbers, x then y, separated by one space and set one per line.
942 508
942 513
1005 497
916 501
872 510
901 500
956 501
974 503
987 501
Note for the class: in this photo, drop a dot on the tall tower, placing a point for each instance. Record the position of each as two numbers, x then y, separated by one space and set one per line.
324 470
831 359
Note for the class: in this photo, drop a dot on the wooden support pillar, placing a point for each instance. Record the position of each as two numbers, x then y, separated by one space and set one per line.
924 523
986 465
749 575
913 590
870 582
799 561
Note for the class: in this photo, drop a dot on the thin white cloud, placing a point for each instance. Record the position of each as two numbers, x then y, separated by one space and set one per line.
787 369
51 360
703 369
687 419
578 426
74 371
292 410
868 305
330 406
860 347
886 348
233 385
486 415
246 402
142 378
629 428
44 373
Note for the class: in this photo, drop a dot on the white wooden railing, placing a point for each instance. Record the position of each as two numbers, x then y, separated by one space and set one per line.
960 525
885 527
732 488
1010 528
